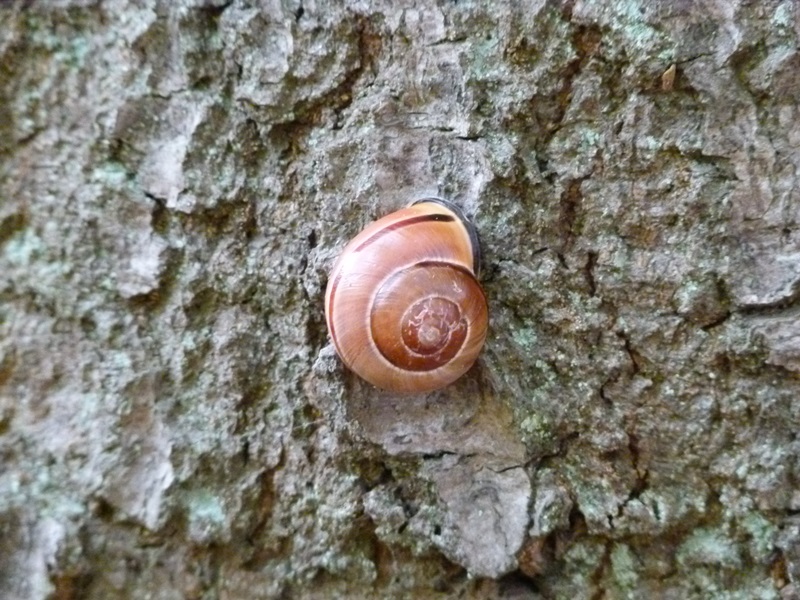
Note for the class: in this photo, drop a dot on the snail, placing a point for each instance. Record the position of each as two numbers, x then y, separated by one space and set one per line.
403 304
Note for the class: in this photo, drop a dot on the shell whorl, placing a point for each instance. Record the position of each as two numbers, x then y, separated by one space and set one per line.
404 308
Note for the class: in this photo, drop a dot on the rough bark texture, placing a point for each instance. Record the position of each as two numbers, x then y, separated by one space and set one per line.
176 179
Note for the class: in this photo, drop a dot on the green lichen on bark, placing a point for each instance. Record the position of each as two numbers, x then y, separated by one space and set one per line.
176 179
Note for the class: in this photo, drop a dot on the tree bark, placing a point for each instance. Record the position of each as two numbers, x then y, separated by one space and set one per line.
176 179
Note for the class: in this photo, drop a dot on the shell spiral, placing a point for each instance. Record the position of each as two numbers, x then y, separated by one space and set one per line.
403 305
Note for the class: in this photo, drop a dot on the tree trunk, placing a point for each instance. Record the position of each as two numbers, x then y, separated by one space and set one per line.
176 179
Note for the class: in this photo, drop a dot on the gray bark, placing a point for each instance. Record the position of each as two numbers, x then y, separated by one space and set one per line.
176 179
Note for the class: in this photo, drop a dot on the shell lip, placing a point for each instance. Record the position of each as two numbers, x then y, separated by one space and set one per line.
477 257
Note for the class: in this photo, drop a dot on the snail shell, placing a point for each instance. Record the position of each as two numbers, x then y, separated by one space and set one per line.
403 305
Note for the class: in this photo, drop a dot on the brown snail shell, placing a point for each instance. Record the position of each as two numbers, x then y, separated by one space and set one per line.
403 305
